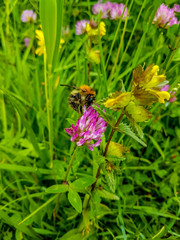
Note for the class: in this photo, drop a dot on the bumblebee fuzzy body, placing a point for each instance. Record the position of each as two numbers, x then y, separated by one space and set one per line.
79 97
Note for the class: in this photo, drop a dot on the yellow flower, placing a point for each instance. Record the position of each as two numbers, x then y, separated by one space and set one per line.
41 43
145 85
161 95
118 100
95 31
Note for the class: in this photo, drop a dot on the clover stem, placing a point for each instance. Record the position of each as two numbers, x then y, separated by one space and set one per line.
104 154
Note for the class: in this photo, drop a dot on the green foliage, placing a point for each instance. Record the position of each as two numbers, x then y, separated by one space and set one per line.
75 200
136 196
124 128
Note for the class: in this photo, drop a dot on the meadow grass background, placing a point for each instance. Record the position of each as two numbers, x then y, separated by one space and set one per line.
147 181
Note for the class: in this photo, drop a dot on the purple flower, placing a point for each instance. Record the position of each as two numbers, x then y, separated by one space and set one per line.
109 9
103 8
166 16
28 16
27 41
173 97
176 8
90 126
117 11
81 27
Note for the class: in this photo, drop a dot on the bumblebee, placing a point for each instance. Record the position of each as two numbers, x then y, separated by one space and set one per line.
80 96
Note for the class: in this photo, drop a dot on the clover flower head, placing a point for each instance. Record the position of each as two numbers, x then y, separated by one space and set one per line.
28 16
81 26
102 8
173 97
176 8
117 11
90 126
27 41
165 16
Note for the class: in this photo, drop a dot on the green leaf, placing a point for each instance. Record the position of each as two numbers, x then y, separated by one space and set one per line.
73 234
75 200
60 4
125 129
57 188
14 223
44 231
20 109
174 178
138 129
105 194
110 180
115 158
156 145
108 118
51 20
83 182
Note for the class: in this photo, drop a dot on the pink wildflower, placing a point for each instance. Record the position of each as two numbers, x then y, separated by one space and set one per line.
117 11
103 8
28 16
81 27
173 97
90 126
165 16
176 8
27 41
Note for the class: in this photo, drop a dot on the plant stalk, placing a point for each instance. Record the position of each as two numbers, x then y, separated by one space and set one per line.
104 154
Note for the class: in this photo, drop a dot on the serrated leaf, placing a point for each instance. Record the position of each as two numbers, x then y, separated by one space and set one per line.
110 180
105 194
75 200
108 118
138 113
83 182
124 128
139 130
57 188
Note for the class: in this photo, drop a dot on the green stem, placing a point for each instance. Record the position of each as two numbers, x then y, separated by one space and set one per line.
119 48
65 179
112 133
132 33
70 163
173 53
116 33
104 154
